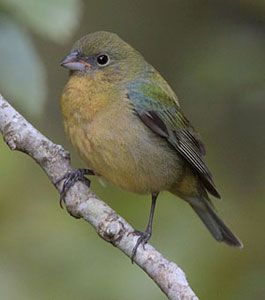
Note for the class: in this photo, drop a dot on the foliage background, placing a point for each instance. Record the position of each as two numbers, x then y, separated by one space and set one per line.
213 55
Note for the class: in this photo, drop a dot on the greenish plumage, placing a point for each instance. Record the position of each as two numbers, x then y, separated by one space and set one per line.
163 115
127 124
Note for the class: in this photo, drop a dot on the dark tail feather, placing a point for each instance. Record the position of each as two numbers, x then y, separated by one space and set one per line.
215 225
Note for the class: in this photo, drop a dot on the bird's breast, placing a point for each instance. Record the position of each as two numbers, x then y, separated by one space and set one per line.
114 142
83 97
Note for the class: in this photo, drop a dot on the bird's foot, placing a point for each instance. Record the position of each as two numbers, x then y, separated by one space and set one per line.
71 178
142 240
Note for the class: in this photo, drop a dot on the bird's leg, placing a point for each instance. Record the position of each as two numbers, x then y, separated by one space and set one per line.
71 178
146 235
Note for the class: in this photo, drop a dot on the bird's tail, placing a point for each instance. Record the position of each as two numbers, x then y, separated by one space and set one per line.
212 221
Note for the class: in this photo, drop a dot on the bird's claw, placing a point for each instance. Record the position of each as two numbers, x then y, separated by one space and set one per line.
70 179
142 240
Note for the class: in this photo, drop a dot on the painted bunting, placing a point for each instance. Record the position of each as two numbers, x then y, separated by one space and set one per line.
128 126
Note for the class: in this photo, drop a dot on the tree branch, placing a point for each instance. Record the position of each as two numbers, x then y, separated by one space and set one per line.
81 202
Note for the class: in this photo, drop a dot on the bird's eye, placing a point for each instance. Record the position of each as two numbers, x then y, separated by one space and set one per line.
103 59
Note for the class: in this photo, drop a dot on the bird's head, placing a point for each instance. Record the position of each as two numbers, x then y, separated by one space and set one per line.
103 52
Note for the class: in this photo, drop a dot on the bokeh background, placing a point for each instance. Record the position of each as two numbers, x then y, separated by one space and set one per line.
213 55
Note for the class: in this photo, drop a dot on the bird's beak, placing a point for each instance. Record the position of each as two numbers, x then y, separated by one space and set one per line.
74 62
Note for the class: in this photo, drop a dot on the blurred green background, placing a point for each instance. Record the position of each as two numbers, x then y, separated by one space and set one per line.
213 55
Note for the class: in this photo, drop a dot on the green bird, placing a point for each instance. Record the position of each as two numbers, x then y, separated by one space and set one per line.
127 125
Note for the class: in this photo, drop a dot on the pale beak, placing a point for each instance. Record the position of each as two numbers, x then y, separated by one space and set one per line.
74 62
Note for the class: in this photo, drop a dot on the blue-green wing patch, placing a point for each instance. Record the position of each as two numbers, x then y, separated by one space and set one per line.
163 116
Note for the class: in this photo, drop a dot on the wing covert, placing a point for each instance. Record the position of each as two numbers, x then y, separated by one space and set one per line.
166 119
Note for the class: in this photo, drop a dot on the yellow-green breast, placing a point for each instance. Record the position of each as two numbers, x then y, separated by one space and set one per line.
113 141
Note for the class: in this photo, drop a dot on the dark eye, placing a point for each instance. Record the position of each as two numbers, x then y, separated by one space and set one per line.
103 59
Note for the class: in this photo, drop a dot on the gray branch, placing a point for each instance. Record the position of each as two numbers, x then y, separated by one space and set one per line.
81 202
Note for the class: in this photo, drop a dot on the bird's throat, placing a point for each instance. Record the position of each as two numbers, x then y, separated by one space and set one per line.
84 97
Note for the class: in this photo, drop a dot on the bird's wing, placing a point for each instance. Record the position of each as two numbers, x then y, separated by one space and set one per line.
162 114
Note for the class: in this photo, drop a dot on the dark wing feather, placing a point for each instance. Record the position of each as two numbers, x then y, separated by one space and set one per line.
169 122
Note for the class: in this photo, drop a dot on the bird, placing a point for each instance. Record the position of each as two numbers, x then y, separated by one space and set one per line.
127 125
